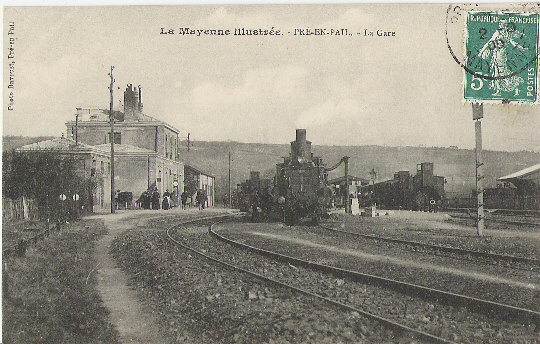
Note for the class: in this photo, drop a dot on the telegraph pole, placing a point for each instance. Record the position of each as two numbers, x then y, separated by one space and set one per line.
77 129
478 114
188 142
230 196
111 119
347 197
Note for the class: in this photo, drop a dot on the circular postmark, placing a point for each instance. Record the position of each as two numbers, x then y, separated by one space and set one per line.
456 35
498 49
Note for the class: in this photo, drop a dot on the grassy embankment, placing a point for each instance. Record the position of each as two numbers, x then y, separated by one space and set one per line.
51 294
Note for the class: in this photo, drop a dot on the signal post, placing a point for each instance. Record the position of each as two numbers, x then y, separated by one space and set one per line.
478 114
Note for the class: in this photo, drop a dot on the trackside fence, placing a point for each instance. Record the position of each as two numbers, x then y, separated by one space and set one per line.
528 202
19 209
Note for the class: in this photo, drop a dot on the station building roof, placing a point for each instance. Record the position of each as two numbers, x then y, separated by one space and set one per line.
526 172
197 170
527 181
64 145
94 116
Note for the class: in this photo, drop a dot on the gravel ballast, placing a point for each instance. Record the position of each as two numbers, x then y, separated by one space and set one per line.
199 301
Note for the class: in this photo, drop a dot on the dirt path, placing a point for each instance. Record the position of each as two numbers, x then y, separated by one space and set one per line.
133 323
402 262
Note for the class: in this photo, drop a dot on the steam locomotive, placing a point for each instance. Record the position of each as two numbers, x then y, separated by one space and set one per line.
251 188
301 183
299 189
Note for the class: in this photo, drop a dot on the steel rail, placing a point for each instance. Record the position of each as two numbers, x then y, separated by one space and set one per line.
387 322
502 211
494 220
527 316
443 248
163 216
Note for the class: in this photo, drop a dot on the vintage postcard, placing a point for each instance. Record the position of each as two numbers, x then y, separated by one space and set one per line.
289 173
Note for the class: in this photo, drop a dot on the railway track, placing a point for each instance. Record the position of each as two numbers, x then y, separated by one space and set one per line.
444 248
522 315
506 212
497 220
385 321
527 316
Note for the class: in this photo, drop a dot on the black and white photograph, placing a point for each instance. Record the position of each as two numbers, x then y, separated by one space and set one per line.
271 173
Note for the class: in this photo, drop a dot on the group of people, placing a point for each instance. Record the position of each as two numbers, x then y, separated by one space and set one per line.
150 199
201 198
260 203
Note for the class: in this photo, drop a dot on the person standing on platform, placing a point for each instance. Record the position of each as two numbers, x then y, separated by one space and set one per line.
184 198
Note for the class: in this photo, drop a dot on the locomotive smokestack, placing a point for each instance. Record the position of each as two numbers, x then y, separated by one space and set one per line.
301 148
300 135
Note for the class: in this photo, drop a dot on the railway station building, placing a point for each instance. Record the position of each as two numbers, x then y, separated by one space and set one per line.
146 150
146 153
340 190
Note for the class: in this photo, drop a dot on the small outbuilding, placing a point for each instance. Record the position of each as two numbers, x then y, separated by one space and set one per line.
527 185
196 179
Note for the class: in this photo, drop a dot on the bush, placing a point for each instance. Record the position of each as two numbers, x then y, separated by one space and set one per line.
44 176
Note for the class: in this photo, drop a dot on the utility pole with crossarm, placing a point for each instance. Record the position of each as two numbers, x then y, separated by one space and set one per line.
111 119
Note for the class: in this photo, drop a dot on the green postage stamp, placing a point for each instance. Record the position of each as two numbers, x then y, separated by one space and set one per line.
501 57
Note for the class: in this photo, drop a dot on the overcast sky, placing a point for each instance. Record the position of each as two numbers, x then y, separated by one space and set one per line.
345 90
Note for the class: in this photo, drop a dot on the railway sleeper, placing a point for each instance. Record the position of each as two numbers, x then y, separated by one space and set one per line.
490 308
400 329
444 248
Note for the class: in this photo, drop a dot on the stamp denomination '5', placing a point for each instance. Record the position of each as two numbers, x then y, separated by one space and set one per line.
501 57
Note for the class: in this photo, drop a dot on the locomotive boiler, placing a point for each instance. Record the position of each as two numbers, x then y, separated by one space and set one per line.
301 183
298 191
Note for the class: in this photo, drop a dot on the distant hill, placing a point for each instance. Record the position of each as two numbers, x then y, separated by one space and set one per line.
456 165
13 142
